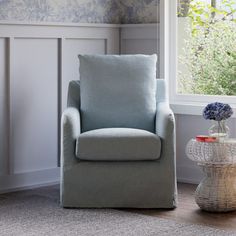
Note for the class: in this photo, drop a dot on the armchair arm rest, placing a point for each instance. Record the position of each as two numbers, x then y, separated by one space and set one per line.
70 130
70 122
165 121
165 129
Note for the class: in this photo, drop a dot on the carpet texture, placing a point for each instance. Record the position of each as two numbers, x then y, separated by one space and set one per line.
37 212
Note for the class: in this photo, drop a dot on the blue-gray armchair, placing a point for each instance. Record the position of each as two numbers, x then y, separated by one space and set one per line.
118 136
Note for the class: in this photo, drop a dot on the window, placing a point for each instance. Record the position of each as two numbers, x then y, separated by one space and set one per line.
202 51
207 47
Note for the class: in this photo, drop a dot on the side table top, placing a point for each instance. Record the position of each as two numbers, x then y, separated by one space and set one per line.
218 153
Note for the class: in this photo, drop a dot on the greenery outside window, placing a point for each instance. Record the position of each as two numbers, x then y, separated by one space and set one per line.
207 47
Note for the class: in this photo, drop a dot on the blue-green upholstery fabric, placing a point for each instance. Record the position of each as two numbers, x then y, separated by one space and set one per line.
118 144
118 184
118 91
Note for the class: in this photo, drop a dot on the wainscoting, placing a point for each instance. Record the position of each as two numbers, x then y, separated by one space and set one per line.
141 39
36 63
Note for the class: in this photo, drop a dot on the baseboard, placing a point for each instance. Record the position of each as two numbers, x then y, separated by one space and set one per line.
187 181
189 174
29 187
29 180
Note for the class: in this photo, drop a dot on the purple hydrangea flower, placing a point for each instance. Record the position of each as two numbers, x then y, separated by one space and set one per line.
217 111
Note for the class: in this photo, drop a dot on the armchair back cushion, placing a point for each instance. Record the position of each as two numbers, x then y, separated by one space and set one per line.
118 91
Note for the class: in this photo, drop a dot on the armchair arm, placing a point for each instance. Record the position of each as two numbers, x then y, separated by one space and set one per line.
165 121
70 130
165 129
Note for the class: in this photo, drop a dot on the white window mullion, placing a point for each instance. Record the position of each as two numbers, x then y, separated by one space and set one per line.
169 61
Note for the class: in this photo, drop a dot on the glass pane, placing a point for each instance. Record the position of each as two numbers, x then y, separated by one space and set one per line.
207 47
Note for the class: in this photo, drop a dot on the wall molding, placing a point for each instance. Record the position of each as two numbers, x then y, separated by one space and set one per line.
141 38
69 24
39 61
189 174
59 24
33 179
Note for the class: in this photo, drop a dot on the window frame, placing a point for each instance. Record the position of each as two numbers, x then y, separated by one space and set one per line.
181 103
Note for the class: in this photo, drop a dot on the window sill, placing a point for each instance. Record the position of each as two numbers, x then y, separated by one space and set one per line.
196 109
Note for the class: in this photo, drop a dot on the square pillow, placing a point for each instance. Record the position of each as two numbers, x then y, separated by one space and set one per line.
118 91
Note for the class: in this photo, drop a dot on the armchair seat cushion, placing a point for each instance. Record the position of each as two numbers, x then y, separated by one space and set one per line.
118 144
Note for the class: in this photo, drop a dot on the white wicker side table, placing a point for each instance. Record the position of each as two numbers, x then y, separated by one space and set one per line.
217 191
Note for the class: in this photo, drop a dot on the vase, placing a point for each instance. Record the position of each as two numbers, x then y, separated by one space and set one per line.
219 130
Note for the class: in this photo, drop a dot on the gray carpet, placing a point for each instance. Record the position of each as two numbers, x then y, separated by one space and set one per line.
37 212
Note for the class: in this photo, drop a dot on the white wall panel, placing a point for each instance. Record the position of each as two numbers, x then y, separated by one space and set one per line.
141 39
36 63
34 116
143 46
71 49
3 107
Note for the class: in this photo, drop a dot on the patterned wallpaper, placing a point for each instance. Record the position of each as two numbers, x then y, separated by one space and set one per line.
83 11
139 11
89 11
